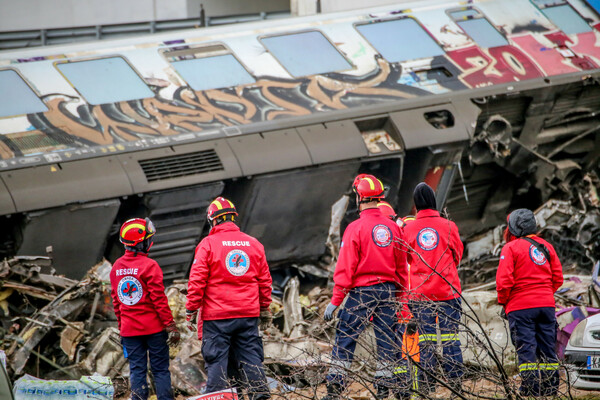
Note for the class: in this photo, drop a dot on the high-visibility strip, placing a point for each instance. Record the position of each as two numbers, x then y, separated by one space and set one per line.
415 383
549 366
132 226
425 337
528 367
218 204
447 337
400 370
371 183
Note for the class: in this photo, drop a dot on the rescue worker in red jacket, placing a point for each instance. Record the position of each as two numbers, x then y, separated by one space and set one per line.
145 321
435 252
228 290
371 271
528 275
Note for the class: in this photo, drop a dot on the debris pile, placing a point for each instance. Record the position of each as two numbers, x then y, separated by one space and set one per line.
56 327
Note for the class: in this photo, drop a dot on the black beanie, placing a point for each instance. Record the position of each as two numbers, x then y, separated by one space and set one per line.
521 222
424 197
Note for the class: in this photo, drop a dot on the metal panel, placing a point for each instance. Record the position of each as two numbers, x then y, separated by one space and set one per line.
295 229
6 202
333 141
60 184
141 184
77 234
417 132
270 151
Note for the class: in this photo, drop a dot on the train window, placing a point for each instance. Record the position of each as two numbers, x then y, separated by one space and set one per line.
17 97
306 53
105 80
563 16
384 37
478 28
213 72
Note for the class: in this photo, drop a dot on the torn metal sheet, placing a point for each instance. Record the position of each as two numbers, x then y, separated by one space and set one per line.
294 325
70 338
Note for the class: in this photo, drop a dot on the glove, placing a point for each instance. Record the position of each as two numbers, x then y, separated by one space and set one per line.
328 316
174 335
194 323
265 318
503 314
190 319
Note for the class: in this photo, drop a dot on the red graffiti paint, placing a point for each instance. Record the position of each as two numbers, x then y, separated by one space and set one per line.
493 66
548 59
586 52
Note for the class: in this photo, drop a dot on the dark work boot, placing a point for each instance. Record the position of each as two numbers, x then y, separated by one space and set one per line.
383 392
334 391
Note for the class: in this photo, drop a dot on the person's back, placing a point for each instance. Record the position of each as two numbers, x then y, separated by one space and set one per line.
525 278
145 321
435 251
369 254
228 290
528 274
236 264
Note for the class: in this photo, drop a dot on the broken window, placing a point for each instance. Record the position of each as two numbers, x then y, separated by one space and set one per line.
306 53
478 28
384 37
440 119
105 80
17 97
208 67
561 14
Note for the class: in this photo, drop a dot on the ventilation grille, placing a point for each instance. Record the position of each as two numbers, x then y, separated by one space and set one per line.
171 167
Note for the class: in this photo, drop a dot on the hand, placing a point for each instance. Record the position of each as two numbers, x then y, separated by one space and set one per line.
190 319
174 335
265 318
328 316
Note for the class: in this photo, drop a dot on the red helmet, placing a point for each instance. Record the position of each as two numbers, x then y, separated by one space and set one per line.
368 188
219 207
387 210
136 230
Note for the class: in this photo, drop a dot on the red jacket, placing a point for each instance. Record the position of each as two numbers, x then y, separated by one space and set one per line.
436 241
525 279
369 254
230 276
138 294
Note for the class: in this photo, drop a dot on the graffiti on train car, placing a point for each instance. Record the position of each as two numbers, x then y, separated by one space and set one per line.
192 111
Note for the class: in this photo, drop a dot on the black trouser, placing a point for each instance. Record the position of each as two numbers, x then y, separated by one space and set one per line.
138 349
240 337
533 332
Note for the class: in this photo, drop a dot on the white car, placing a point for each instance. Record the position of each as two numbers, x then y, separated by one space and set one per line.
582 354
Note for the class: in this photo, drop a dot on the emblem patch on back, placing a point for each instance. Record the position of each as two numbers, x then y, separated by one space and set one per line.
237 262
129 291
536 256
428 239
382 235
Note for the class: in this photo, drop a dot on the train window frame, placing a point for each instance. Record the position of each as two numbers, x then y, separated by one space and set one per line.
202 51
595 8
31 88
356 26
352 66
562 3
481 15
119 56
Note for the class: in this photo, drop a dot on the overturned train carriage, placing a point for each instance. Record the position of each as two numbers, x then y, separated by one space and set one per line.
494 104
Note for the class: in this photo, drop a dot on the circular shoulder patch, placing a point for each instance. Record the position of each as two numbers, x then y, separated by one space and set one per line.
536 256
237 262
129 290
428 239
382 235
